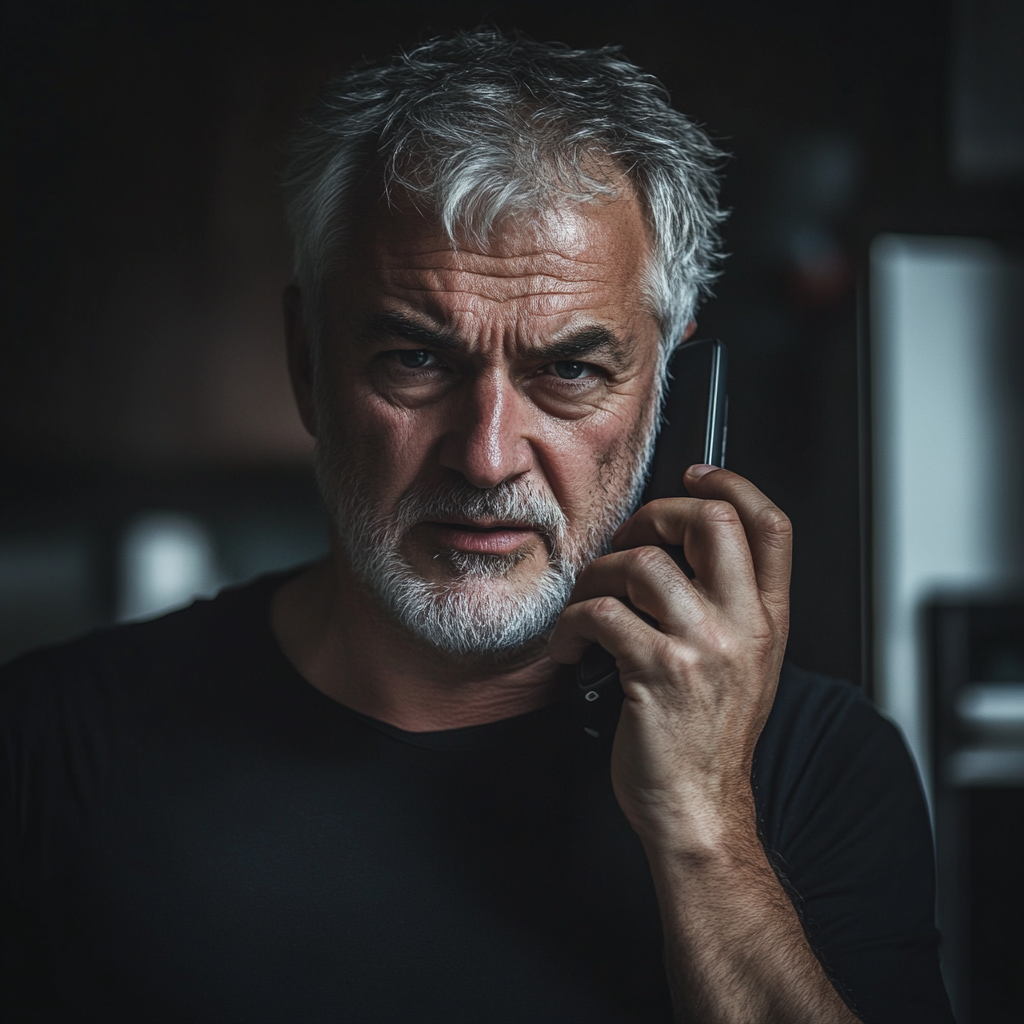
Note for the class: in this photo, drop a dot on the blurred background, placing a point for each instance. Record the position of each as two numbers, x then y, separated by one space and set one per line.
149 450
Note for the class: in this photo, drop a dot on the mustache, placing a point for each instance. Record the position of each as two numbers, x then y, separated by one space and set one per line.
513 502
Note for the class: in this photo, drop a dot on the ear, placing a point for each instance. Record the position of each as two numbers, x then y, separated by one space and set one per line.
690 328
300 361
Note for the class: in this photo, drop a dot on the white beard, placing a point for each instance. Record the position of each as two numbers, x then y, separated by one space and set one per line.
479 609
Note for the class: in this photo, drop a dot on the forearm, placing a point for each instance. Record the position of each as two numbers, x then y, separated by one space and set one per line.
734 947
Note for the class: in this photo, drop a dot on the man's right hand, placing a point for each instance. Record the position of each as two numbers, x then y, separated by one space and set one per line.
699 687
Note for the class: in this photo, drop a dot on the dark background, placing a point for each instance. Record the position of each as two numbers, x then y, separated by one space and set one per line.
141 361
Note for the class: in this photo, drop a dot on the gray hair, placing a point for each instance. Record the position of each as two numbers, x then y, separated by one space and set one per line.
480 125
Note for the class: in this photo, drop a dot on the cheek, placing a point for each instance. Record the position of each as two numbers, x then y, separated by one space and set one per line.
399 444
594 459
389 445
623 458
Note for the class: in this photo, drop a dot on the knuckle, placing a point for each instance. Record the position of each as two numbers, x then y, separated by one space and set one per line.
682 661
726 648
773 522
646 558
605 609
715 511
721 647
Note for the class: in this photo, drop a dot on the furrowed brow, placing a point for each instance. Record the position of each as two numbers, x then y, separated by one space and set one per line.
583 343
397 325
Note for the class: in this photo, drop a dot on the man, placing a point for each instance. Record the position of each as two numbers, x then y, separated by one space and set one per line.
355 792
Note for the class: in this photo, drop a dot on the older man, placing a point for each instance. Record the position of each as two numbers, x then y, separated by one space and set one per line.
354 792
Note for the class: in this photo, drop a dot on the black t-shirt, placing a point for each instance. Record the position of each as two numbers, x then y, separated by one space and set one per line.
189 831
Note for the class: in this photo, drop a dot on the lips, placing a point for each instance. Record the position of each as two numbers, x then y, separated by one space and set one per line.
493 538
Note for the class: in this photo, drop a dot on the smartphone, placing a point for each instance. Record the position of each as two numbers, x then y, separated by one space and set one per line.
693 430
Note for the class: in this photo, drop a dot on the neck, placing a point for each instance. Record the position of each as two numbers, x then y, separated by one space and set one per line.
342 642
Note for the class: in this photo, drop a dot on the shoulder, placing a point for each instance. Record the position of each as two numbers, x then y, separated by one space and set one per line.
111 665
827 753
845 823
813 713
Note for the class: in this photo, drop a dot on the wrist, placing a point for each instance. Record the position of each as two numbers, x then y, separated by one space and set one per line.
698 829
724 853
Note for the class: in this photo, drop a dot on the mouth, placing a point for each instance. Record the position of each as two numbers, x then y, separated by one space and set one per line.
482 536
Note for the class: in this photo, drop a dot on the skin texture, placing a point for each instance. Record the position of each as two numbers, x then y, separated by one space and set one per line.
492 411
489 406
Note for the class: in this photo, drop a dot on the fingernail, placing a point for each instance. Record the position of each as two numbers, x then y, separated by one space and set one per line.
700 470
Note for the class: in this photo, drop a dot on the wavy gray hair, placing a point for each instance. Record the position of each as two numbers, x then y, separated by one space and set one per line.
480 125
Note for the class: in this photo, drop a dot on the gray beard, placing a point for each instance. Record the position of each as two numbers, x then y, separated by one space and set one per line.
479 610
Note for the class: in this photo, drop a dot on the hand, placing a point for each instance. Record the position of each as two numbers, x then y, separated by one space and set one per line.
698 690
699 687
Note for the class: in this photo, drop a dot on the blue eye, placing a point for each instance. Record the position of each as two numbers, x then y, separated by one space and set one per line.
413 358
569 370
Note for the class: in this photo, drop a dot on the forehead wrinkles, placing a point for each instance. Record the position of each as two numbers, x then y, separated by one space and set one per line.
502 279
453 285
573 265
448 304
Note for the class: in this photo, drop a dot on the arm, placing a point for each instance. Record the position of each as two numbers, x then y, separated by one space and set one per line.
734 948
698 689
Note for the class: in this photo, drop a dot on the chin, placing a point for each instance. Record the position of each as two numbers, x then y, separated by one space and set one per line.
464 570
479 618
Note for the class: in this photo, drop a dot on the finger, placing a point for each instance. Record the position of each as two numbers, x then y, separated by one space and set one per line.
768 529
651 581
713 539
608 622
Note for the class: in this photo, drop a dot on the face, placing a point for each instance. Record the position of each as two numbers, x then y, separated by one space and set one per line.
484 414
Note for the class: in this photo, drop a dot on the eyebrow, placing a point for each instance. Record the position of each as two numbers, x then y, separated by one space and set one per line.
583 342
390 324
397 325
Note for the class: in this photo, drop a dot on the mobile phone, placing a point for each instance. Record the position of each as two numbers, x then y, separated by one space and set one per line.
693 430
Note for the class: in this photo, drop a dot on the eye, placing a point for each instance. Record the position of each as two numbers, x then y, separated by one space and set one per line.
569 370
414 358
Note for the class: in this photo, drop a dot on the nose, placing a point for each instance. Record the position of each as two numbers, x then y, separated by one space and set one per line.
488 441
